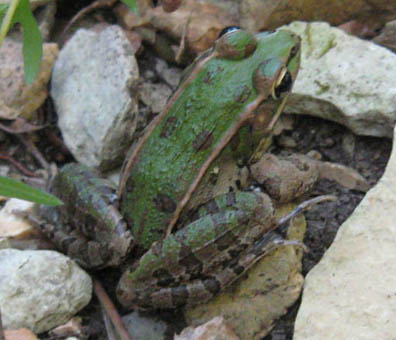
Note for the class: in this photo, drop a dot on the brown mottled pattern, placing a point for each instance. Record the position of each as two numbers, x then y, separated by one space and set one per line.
95 225
168 127
242 94
164 203
199 274
203 289
203 140
231 199
189 260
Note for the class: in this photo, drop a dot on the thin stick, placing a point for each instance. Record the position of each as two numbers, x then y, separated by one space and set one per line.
111 310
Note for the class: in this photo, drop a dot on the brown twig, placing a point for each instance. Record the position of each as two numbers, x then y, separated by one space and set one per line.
19 125
26 140
18 165
57 142
111 310
183 38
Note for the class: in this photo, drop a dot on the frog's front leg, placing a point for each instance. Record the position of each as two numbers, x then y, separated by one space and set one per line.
87 227
193 264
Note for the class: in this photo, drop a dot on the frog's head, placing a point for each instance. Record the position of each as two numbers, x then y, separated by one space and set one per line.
274 59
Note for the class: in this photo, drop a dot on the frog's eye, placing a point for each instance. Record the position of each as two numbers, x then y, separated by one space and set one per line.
235 44
228 30
282 84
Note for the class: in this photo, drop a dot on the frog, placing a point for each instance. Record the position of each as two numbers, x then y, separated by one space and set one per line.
191 242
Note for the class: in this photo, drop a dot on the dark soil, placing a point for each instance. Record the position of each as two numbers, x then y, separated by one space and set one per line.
369 157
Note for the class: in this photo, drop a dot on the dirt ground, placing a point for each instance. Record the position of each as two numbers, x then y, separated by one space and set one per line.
369 157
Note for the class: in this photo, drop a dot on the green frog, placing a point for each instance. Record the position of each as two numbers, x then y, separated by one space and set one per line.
192 241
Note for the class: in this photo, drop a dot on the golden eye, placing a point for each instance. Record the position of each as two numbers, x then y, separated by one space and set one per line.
282 84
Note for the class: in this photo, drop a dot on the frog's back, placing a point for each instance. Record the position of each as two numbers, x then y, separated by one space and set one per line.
178 147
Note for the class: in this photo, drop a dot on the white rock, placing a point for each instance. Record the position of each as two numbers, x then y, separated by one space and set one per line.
92 87
12 225
40 290
344 79
351 293
215 329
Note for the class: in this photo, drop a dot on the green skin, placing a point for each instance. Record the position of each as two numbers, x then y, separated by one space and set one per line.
243 81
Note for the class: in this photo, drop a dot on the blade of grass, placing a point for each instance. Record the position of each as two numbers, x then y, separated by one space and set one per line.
12 188
132 4
7 22
32 41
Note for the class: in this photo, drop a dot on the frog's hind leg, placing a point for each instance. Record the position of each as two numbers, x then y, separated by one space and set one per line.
202 290
224 229
197 274
88 226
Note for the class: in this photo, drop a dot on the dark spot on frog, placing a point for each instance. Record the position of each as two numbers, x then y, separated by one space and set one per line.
66 242
130 222
231 199
238 269
235 141
164 203
203 141
242 94
145 302
225 240
211 74
179 295
192 264
213 178
89 223
169 127
211 207
165 279
212 285
129 188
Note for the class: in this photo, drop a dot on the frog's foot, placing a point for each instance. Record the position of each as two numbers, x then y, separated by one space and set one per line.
286 178
343 175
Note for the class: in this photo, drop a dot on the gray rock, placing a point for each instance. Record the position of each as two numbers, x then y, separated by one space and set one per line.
142 327
40 290
350 294
93 90
344 79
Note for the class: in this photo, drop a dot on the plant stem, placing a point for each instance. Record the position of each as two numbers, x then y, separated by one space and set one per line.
7 20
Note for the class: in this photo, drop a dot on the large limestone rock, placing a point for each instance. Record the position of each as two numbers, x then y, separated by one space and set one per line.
350 294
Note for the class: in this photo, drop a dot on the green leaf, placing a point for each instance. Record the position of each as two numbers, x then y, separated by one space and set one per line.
132 4
3 10
12 188
32 41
